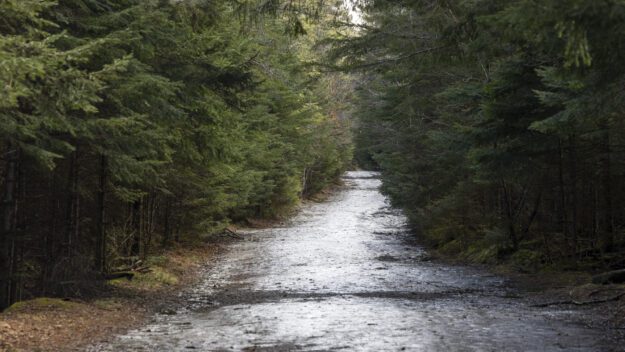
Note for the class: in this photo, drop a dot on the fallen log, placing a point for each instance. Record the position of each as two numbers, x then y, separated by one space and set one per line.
232 234
118 275
610 277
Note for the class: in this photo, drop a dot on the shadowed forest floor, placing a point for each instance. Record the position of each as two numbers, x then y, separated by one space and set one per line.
53 324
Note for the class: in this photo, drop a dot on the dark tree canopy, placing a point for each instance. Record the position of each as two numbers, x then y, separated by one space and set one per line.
497 125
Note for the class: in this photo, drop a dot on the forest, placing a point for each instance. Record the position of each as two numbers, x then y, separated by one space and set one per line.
498 125
127 126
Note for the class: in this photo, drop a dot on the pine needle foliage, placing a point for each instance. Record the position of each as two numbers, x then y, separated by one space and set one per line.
127 125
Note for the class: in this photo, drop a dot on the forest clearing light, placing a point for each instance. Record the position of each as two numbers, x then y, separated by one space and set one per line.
355 14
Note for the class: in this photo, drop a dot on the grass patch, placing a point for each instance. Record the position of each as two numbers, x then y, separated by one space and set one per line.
109 304
42 303
159 277
158 260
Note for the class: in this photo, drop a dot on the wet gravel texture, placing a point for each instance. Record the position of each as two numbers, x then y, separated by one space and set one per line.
345 275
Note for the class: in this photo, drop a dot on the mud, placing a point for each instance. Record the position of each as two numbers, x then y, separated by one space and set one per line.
346 275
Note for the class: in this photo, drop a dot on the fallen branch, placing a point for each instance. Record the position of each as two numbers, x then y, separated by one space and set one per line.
580 303
611 277
232 234
142 270
113 276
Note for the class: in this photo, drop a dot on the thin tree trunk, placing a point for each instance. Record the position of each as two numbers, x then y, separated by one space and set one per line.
607 192
564 221
532 217
510 216
167 225
100 254
71 218
148 223
135 250
50 235
595 214
304 183
179 219
21 227
573 191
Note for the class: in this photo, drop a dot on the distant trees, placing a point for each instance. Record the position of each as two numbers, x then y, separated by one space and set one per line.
130 124
498 125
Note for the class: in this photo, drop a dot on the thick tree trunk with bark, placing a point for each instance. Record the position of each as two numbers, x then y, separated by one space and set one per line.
9 216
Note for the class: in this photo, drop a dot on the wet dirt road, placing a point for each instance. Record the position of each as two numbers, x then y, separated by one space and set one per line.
343 275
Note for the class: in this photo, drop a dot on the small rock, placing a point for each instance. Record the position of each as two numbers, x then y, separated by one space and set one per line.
168 311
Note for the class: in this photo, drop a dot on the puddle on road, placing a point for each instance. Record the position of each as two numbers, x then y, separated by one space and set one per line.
341 277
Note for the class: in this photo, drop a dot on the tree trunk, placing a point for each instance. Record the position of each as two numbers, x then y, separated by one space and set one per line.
148 222
135 249
532 217
167 225
100 253
21 227
573 191
608 242
71 211
9 214
564 221
50 238
510 216
179 219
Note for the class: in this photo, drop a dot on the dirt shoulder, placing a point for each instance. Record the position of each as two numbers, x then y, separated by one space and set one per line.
601 306
54 324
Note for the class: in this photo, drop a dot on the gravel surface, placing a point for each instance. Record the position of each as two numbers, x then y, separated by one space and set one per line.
346 275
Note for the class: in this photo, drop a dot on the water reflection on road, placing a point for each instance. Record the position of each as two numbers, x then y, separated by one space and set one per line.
343 275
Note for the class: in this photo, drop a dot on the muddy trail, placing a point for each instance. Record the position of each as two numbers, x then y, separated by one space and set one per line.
345 275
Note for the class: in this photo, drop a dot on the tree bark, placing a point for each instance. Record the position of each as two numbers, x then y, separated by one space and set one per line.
50 238
100 254
135 249
71 211
562 188
510 218
9 214
607 193
167 225
532 217
573 191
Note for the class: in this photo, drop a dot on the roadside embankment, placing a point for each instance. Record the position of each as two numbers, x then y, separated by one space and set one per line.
56 324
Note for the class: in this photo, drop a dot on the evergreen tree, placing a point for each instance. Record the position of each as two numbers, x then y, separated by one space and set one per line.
126 123
495 124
